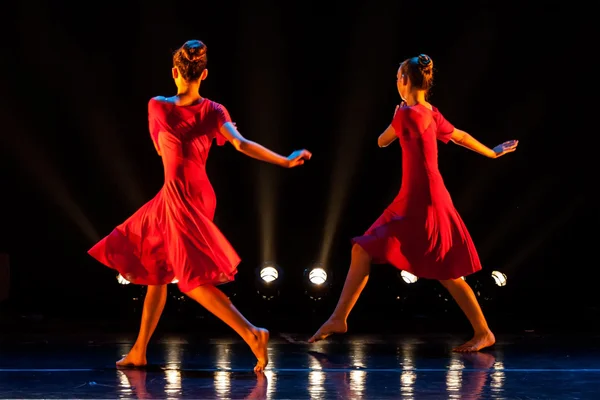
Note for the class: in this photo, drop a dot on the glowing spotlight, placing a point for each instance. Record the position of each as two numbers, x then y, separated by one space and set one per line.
268 278
489 287
269 274
499 278
317 281
121 279
408 277
317 276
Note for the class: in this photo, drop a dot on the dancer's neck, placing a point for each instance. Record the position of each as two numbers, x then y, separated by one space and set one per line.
188 94
417 97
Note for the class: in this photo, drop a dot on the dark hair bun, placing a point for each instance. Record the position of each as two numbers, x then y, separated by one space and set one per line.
425 62
194 50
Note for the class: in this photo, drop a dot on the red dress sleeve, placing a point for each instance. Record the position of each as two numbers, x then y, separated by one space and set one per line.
222 116
444 128
408 120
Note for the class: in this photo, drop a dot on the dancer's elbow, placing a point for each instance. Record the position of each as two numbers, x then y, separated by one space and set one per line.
242 145
382 143
236 143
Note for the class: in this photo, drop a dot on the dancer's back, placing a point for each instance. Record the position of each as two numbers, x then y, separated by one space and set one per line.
419 129
183 135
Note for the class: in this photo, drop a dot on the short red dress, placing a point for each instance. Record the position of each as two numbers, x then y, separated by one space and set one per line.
173 235
421 231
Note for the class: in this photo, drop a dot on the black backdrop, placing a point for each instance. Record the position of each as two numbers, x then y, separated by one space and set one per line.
77 159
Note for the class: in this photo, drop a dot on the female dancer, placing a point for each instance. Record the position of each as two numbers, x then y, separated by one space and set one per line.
421 231
173 235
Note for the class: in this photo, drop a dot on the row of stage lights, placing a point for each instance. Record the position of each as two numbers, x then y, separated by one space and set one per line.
498 277
317 280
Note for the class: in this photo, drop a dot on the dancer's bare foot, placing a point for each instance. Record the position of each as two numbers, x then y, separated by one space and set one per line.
330 327
479 341
135 358
259 348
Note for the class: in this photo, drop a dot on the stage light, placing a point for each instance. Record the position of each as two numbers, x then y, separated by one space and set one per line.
499 278
269 274
489 286
121 279
317 281
268 279
317 276
408 277
405 291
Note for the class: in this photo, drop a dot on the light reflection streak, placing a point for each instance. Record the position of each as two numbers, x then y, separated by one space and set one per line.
454 377
316 376
408 376
498 377
271 384
223 378
271 374
358 378
172 372
316 387
125 389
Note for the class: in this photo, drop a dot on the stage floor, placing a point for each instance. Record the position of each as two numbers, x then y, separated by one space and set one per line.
349 367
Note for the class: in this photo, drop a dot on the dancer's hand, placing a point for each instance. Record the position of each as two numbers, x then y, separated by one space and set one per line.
506 147
401 105
297 158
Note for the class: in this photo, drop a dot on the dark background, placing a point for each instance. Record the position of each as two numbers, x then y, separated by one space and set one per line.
77 158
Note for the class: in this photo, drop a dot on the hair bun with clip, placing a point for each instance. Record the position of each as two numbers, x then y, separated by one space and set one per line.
424 60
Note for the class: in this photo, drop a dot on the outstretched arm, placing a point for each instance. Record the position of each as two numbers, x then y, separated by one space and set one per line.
462 138
255 150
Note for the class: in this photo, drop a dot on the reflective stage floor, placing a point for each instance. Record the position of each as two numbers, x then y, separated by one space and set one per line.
348 367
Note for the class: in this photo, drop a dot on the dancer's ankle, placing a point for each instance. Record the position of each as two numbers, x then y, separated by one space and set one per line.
483 331
337 317
139 347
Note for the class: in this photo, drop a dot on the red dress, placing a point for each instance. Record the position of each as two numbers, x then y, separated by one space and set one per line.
173 235
421 231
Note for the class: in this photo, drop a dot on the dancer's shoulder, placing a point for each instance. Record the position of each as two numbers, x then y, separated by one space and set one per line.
158 100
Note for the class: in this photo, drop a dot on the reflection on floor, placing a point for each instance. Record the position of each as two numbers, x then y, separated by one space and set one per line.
351 367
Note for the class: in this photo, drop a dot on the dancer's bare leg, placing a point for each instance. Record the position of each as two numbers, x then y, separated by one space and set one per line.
219 304
154 304
464 296
358 275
